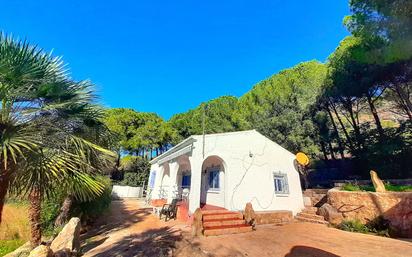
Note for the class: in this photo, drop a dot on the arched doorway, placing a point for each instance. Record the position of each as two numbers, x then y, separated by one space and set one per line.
212 189
184 176
165 182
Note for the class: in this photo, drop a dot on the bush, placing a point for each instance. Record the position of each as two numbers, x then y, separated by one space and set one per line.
92 209
370 188
132 179
378 226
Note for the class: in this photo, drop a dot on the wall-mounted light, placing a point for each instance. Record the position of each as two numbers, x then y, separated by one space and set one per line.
250 154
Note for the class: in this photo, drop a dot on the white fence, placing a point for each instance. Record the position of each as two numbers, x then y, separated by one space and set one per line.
126 192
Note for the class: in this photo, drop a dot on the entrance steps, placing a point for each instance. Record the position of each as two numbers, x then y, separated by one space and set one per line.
309 215
223 222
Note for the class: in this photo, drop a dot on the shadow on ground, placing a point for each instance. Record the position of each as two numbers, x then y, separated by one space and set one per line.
153 242
306 251
120 218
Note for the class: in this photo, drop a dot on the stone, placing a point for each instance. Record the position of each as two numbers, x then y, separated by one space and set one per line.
22 251
377 182
69 238
330 214
307 201
197 225
249 215
395 207
41 251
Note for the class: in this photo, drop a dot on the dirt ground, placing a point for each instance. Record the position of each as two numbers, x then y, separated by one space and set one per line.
130 230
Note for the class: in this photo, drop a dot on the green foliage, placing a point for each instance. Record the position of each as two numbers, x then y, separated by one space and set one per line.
370 188
387 25
379 226
133 180
8 246
136 171
282 106
138 132
89 210
220 115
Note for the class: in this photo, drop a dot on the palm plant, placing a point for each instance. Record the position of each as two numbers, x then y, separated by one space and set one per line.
43 113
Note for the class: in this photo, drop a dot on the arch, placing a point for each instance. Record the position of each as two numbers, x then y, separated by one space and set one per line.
214 180
165 181
183 179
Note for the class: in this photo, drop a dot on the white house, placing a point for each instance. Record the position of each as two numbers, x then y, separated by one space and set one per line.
228 170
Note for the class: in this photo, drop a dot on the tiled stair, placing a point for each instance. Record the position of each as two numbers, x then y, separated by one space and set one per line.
221 222
309 215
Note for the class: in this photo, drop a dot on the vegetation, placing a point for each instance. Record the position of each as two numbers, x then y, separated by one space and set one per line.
8 246
378 227
51 135
370 188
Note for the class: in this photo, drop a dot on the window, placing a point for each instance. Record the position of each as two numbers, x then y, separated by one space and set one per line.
281 183
152 179
214 180
186 181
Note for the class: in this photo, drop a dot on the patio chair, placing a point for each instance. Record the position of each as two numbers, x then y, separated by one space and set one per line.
169 210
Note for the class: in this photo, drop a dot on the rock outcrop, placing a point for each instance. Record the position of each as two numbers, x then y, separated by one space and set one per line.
41 251
377 182
330 214
197 225
249 215
68 239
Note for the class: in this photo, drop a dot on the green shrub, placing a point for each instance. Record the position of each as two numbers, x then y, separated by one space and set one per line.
8 246
378 226
133 180
370 188
93 209
50 209
353 226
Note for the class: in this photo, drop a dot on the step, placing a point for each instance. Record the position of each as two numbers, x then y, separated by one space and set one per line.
311 210
223 222
214 211
302 219
224 230
311 216
224 215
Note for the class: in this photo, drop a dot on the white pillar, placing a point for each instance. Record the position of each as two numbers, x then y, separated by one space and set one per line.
174 168
195 184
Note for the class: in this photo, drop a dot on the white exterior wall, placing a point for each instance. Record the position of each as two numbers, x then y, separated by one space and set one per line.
249 161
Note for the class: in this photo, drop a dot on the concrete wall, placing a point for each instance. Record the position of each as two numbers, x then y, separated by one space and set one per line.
127 192
366 206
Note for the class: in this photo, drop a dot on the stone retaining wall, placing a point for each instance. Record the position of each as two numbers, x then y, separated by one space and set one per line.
396 207
317 197
273 217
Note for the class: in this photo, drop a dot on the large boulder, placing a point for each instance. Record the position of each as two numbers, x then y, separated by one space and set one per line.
249 215
68 239
41 251
197 225
330 214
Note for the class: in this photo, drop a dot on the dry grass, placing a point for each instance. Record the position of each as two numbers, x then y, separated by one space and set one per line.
15 223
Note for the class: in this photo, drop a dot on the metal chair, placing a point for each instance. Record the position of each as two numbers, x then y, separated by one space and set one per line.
169 210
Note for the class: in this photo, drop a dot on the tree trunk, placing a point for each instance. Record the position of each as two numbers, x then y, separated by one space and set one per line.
332 154
375 116
335 128
343 127
355 125
325 154
34 217
64 212
405 102
5 176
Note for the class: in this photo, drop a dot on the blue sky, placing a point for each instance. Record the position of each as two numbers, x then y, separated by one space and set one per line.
169 56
